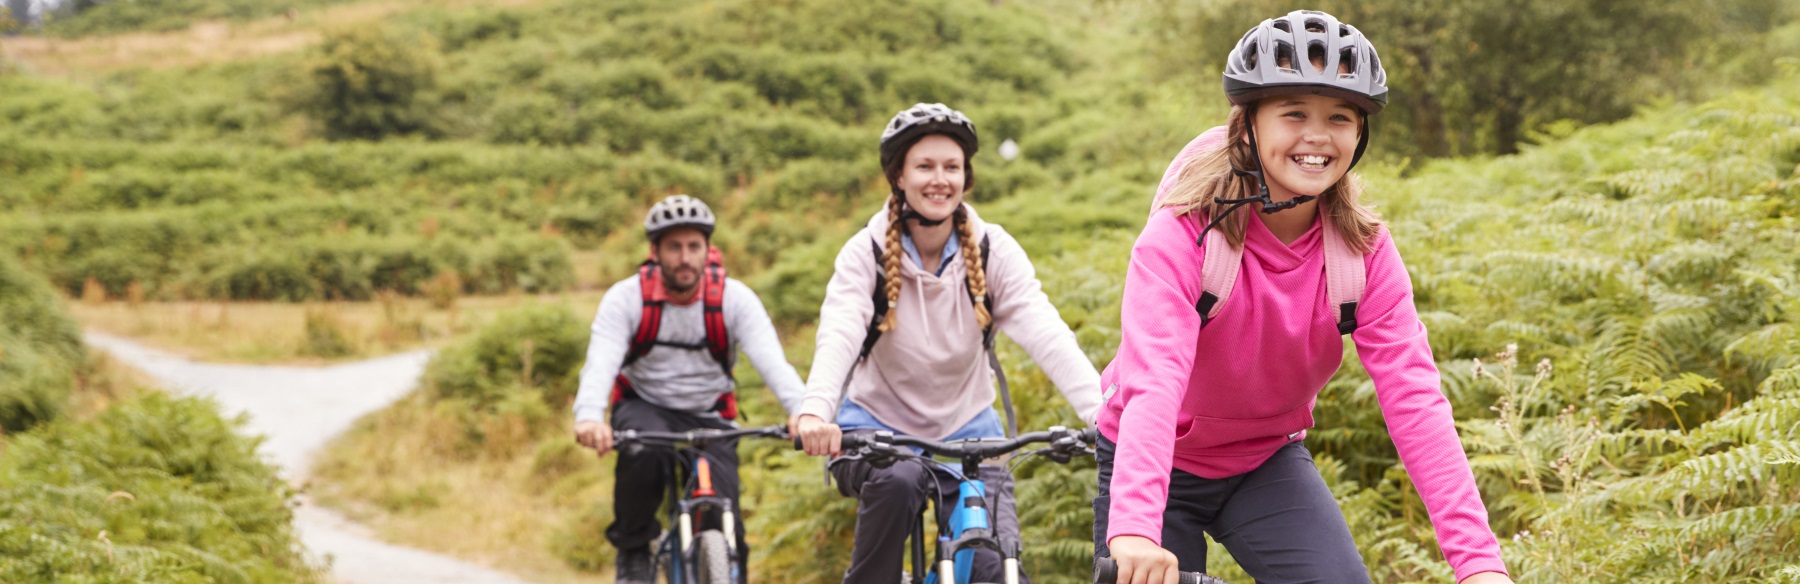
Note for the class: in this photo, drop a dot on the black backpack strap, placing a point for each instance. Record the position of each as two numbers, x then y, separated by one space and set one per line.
988 334
879 296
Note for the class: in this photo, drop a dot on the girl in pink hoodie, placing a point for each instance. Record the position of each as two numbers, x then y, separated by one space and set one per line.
947 276
1206 406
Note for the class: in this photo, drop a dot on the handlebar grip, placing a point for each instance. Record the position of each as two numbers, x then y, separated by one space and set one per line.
1106 571
847 442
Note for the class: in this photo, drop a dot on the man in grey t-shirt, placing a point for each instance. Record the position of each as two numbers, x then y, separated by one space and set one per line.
668 375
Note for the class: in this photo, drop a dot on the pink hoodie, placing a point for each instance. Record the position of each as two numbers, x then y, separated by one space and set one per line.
930 376
1218 402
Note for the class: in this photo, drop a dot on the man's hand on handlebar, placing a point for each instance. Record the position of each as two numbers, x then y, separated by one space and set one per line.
817 436
1141 561
595 435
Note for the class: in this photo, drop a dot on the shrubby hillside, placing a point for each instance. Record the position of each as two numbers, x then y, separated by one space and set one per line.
152 488
1630 287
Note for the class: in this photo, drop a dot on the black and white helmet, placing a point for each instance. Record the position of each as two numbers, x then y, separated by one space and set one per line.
927 118
678 211
1351 70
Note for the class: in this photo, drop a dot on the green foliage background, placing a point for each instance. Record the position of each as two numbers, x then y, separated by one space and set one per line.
1643 429
151 489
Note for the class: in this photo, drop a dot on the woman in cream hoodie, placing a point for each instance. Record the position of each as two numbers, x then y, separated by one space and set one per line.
929 375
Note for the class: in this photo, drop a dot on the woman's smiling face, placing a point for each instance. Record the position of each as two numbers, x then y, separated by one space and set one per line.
1306 142
933 177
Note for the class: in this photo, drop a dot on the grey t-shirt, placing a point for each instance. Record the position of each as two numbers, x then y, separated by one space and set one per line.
672 377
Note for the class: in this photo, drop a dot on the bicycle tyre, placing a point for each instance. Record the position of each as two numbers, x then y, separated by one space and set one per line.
712 558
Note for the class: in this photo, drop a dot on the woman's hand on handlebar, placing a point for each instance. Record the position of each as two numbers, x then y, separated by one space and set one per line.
817 436
1141 561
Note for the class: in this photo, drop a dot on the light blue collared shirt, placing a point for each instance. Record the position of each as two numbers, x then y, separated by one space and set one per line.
912 251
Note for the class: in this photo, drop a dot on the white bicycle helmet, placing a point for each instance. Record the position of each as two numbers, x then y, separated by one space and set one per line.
678 211
1351 70
927 118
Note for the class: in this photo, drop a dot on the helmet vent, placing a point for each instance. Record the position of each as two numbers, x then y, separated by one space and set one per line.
1347 62
1284 57
1283 26
1315 25
1343 30
1250 54
1315 54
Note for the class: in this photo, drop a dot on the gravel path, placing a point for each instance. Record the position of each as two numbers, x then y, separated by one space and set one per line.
298 409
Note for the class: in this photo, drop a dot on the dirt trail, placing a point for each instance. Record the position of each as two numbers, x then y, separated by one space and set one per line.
298 409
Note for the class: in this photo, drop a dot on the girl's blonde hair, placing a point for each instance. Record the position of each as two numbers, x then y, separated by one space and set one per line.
1209 176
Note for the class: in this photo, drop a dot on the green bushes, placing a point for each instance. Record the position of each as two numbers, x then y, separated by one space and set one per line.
369 82
40 349
152 489
536 351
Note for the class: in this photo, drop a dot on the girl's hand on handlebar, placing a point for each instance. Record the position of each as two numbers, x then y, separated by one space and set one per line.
817 436
1141 561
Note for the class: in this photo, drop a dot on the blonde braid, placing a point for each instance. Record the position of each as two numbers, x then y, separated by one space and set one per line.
977 276
890 262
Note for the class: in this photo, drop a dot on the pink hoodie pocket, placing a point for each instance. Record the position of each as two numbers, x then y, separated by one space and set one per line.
1208 437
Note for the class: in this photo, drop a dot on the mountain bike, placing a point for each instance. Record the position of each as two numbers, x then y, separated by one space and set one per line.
971 524
710 556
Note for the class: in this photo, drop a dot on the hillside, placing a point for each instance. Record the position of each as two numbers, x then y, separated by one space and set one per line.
1629 287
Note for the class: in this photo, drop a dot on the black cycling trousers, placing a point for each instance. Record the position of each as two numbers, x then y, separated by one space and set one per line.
640 482
888 502
1279 521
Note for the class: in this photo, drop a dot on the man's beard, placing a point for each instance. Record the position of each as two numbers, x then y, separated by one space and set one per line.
674 282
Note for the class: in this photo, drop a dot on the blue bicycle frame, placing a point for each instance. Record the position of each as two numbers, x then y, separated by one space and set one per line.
972 523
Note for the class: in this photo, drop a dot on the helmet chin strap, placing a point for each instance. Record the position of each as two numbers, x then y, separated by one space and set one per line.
1262 190
910 214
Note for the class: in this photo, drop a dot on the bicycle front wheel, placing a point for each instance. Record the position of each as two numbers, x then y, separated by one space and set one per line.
712 558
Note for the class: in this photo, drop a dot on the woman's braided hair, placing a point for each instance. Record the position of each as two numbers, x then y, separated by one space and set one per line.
965 230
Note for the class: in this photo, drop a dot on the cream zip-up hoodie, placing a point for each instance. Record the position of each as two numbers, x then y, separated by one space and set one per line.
929 375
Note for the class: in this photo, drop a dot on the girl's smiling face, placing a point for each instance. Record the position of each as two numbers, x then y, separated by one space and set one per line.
1306 142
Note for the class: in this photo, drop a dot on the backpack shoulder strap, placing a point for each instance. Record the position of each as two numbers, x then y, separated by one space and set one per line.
879 296
718 341
650 287
1345 277
987 344
1218 275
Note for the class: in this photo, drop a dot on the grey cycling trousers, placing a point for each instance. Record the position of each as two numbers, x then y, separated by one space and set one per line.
1279 521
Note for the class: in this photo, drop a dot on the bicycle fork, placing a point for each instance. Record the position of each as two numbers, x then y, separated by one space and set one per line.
705 496
971 527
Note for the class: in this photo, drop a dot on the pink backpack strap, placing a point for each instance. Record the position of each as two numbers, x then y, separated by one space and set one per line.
1218 275
1345 276
1209 140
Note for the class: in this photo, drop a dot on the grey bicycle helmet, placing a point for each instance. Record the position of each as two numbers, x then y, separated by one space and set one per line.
927 118
1351 69
678 211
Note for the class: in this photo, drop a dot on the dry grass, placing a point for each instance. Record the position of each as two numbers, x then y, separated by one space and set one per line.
105 381
202 43
500 505
276 332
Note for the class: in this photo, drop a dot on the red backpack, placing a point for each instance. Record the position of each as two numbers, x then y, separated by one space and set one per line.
718 341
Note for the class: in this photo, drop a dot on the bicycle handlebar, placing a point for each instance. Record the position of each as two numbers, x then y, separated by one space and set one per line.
1106 571
1062 440
696 438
